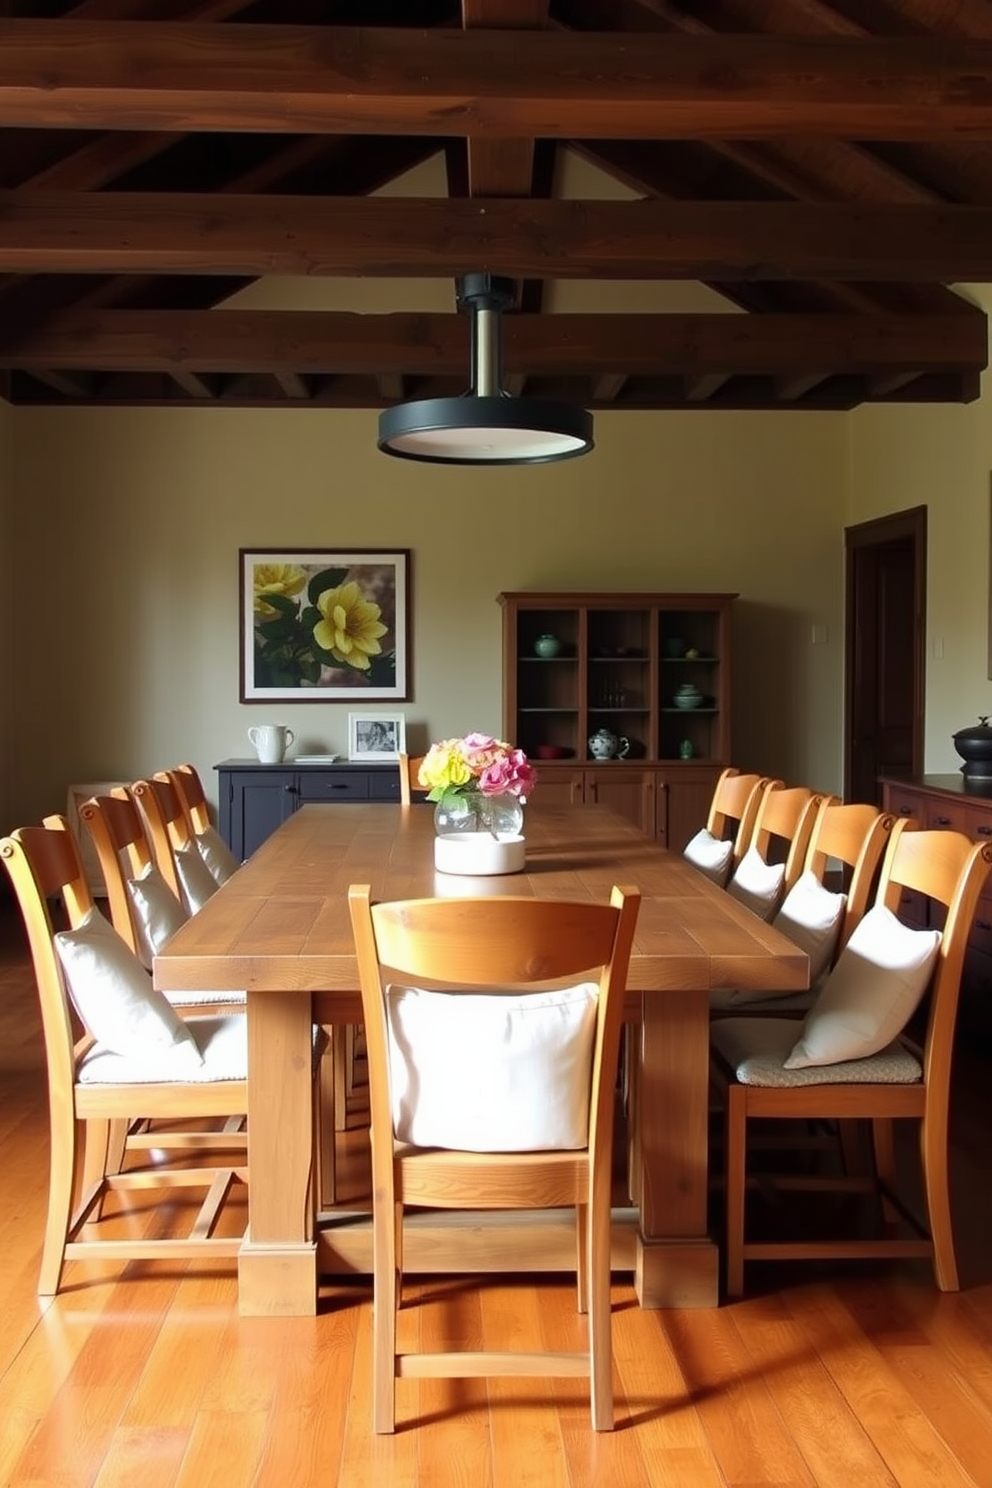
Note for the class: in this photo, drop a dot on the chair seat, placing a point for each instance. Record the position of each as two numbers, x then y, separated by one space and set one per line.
222 1042
756 1050
221 1039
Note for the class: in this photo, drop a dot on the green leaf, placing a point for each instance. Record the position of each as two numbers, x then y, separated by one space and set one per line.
287 607
328 578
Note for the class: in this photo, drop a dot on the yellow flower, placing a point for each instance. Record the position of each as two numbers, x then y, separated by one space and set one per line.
276 578
350 628
444 765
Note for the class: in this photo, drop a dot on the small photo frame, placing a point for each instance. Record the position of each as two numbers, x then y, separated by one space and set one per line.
376 736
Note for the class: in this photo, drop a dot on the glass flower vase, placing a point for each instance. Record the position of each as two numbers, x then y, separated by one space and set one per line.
478 834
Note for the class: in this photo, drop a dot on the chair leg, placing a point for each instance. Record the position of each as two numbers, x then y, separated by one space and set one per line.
933 1154
735 1178
64 1163
581 1257
327 1183
600 1313
385 1297
884 1150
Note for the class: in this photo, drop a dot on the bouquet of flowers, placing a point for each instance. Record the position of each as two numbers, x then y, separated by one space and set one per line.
476 766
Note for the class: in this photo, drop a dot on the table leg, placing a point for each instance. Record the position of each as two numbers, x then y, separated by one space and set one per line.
277 1265
677 1262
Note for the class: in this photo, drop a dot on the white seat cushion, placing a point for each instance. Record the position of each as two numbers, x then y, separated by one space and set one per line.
222 1044
217 855
491 1072
113 994
757 1050
710 855
195 879
757 884
871 994
157 913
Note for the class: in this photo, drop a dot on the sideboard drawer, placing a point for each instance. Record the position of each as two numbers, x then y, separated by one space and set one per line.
327 785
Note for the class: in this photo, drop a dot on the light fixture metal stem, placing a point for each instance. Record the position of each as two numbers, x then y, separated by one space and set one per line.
485 426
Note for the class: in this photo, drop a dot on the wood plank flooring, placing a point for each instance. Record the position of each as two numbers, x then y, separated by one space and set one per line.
860 1375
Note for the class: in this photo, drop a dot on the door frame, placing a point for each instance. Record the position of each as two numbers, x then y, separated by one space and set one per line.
911 524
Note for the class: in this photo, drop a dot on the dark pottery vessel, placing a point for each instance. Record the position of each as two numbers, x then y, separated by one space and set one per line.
974 745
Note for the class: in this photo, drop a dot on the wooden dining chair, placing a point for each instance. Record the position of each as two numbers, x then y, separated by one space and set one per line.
410 777
135 1054
851 1058
144 909
173 841
827 901
214 851
719 846
498 1098
776 853
187 782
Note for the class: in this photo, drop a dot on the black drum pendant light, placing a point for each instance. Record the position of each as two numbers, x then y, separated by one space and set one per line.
486 425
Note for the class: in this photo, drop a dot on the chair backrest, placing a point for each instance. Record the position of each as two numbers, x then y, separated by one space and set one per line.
951 870
734 807
167 825
117 830
44 864
491 944
409 776
189 786
784 825
854 835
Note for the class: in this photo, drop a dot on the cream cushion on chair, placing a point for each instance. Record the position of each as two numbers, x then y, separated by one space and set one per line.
811 917
113 994
757 884
195 879
221 1041
217 855
491 1072
710 855
871 994
158 914
757 1050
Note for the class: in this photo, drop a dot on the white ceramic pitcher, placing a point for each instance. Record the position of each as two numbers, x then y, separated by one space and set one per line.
270 742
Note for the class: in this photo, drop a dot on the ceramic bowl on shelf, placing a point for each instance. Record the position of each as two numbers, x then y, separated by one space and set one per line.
552 751
688 696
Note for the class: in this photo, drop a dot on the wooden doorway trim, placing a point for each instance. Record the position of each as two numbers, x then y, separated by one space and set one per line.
911 526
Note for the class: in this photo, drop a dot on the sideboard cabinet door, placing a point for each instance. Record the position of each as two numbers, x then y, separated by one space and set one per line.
253 803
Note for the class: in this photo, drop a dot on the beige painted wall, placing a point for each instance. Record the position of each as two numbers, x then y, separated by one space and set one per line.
939 457
127 526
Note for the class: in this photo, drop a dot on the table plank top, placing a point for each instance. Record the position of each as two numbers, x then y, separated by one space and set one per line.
282 924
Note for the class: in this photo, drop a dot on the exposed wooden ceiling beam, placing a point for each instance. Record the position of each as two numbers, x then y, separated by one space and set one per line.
556 84
187 233
302 342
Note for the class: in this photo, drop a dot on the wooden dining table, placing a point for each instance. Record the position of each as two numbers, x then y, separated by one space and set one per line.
280 929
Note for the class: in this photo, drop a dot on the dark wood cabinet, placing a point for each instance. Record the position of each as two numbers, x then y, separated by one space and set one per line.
619 662
255 799
942 801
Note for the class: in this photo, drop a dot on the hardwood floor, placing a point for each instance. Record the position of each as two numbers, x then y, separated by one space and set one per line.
846 1377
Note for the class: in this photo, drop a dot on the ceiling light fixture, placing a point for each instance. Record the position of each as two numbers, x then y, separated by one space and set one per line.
486 425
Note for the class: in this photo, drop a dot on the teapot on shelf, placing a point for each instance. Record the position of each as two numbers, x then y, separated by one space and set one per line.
604 745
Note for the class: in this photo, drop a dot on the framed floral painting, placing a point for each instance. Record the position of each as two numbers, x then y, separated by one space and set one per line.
325 626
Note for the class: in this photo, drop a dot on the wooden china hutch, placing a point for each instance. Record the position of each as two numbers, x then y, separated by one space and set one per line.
619 662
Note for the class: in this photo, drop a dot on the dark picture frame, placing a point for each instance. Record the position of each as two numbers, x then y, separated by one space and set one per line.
324 625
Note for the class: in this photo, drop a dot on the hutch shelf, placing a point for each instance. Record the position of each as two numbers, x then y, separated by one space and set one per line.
619 661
